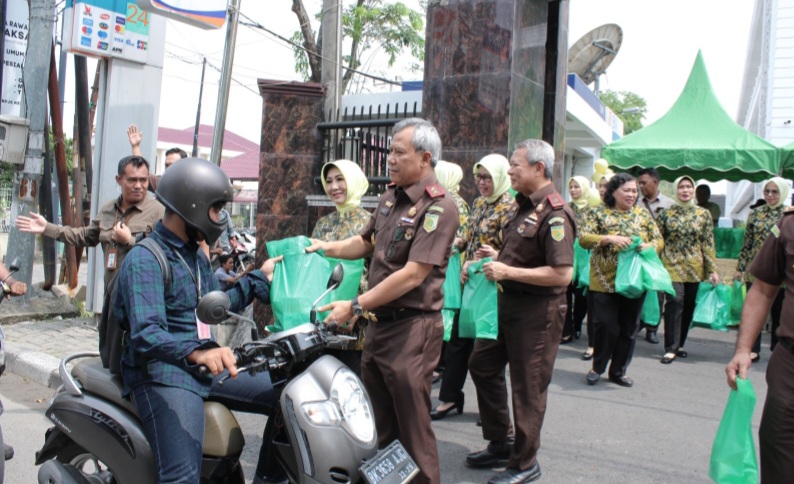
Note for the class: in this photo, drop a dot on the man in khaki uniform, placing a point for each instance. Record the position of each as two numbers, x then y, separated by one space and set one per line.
119 223
533 271
409 238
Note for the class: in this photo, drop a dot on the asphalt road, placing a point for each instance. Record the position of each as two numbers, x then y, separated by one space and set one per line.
659 431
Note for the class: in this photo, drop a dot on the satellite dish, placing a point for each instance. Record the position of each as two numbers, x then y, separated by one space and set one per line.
591 55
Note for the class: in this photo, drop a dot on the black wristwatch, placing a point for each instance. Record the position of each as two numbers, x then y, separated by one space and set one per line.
357 309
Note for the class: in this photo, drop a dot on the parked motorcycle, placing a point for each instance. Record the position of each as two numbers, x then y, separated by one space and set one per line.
324 426
14 267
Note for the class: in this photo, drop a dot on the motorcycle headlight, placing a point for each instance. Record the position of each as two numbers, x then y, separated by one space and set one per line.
348 407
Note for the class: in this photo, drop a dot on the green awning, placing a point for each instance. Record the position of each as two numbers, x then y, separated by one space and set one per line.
787 160
697 138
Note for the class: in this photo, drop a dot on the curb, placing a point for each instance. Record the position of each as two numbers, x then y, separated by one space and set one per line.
36 366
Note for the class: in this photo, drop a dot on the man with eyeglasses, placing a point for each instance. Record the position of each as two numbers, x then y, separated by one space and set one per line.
409 238
533 270
118 225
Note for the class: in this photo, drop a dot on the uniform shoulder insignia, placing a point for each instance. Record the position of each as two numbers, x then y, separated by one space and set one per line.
556 221
435 190
555 200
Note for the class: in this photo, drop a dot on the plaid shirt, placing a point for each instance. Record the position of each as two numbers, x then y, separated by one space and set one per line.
163 325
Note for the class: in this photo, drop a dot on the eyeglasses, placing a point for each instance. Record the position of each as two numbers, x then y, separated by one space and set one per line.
771 192
483 178
399 233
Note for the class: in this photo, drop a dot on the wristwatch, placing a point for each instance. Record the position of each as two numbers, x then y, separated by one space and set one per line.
357 309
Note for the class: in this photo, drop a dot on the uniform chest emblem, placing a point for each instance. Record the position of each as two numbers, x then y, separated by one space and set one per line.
521 228
431 222
412 212
558 232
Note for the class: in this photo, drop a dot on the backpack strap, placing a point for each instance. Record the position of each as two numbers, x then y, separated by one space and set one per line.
158 253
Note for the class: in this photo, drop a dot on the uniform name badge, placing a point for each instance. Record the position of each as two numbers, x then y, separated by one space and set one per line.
203 329
111 258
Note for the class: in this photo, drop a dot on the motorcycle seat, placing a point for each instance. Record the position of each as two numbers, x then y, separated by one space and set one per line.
98 380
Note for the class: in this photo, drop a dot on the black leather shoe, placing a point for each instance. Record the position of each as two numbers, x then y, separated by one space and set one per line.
623 381
512 475
497 453
437 414
592 377
650 337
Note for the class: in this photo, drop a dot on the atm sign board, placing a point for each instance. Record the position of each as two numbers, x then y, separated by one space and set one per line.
108 28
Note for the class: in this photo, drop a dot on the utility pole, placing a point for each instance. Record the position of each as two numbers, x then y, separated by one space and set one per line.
232 15
331 56
27 182
198 111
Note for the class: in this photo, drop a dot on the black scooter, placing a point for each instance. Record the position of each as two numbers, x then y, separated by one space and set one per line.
324 426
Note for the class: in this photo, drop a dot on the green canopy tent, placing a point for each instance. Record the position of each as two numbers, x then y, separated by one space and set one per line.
787 161
697 138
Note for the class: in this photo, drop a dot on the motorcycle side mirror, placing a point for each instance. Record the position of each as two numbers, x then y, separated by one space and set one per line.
14 265
336 276
213 307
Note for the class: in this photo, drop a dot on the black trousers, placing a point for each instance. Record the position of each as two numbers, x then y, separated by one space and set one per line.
577 310
590 329
616 320
456 358
774 313
678 311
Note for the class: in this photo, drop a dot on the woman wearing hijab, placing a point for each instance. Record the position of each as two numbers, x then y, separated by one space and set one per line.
484 238
760 224
616 319
579 190
345 183
690 258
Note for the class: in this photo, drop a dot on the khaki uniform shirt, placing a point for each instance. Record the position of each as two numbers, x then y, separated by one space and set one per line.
413 224
655 206
774 264
540 231
140 218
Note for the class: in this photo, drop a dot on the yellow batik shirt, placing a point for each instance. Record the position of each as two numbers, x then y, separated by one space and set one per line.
340 226
486 222
463 215
688 232
603 220
580 214
759 225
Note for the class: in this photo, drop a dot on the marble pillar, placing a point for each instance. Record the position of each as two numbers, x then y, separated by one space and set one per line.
495 75
290 158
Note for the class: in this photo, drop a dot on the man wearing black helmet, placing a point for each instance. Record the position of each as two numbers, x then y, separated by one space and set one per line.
167 342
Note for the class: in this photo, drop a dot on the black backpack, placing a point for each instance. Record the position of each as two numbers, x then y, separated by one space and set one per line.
112 331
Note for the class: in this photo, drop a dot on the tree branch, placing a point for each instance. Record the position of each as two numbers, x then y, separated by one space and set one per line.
308 40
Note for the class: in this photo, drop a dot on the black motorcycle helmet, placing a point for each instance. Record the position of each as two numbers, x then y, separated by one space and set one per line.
189 188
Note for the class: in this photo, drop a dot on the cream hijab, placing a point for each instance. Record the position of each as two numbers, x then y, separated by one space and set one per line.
784 187
497 166
692 201
584 186
355 180
449 175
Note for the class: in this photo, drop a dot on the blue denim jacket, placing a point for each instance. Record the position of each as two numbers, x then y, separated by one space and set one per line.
163 325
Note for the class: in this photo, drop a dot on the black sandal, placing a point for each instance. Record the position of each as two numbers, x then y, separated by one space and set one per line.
588 354
667 359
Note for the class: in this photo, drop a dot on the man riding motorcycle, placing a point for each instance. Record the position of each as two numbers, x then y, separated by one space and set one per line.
168 344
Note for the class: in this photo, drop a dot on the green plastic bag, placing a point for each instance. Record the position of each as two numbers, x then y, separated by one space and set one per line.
581 266
628 279
654 275
451 287
348 288
448 316
478 308
738 293
300 278
712 306
651 314
733 459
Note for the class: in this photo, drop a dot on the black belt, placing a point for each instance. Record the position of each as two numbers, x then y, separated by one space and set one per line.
786 343
388 316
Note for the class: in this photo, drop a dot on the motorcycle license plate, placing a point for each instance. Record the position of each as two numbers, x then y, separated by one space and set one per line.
391 465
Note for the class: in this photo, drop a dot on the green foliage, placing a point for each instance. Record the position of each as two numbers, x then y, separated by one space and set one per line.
620 102
371 27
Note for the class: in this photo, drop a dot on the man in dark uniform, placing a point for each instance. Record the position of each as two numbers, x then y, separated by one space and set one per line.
533 271
409 238
773 266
